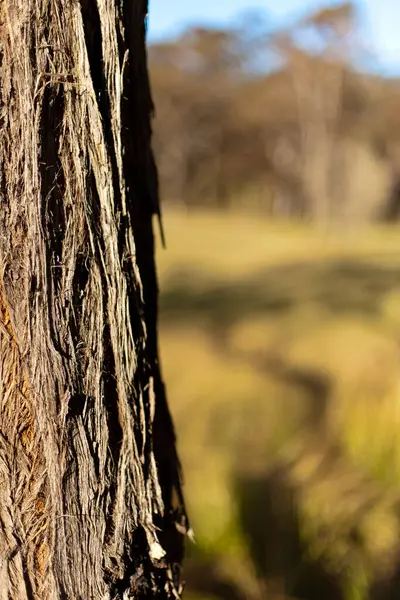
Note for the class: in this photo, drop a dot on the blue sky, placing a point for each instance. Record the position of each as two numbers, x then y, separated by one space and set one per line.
381 20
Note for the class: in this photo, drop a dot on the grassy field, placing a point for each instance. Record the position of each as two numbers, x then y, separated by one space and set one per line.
281 350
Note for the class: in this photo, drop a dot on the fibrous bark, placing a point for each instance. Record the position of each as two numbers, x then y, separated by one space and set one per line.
90 498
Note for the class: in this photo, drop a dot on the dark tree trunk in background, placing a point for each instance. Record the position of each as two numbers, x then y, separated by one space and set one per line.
90 499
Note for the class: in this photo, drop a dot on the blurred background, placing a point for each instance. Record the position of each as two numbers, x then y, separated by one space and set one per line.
277 137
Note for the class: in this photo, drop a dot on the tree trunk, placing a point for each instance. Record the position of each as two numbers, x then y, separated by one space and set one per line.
90 497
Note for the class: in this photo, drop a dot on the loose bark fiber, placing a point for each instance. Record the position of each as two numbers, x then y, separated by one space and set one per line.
90 499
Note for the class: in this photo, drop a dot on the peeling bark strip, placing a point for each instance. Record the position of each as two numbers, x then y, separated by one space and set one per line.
90 497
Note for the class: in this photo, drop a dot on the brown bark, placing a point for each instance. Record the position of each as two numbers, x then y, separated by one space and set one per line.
90 496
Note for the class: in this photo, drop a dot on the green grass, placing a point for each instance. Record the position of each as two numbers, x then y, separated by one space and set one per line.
280 347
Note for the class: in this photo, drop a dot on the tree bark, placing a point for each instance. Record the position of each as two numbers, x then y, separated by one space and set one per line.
90 495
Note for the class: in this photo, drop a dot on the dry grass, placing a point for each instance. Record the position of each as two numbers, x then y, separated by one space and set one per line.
280 347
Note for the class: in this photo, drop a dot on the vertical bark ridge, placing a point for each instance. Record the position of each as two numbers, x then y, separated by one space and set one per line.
92 506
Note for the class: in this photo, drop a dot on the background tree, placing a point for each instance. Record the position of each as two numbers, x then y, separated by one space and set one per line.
317 78
288 120
90 501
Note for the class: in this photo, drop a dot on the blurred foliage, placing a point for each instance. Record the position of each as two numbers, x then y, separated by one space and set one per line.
280 346
288 122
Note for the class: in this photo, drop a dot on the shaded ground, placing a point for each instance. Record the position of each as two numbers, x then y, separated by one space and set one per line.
336 286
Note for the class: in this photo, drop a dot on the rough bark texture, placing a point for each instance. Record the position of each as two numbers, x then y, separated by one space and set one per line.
90 499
